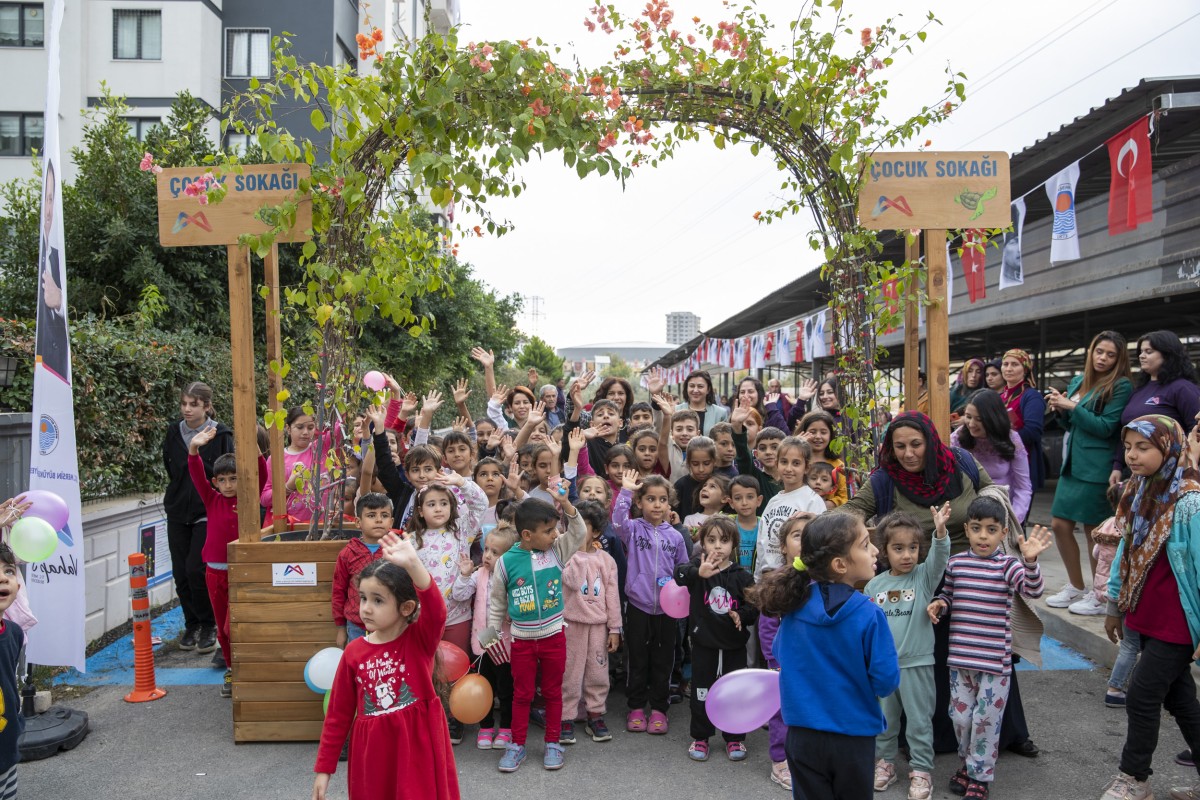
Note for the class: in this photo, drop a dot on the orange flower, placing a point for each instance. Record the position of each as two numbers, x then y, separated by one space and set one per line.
757 214
530 129
526 89
524 43
696 20
540 109
377 35
478 230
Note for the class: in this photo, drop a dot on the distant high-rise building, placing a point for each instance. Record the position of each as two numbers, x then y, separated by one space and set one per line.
682 327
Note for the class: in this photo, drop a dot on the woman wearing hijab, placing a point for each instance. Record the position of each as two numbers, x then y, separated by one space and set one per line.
970 380
1026 408
1156 592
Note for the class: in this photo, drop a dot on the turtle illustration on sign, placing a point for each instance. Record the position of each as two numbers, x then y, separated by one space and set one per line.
973 201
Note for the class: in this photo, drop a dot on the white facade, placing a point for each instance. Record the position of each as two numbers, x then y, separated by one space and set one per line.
403 22
189 57
682 327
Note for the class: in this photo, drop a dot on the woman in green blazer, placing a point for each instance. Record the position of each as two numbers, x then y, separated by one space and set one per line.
1091 413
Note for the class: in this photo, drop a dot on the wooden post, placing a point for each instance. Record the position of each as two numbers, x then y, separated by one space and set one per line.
937 337
245 420
275 384
912 329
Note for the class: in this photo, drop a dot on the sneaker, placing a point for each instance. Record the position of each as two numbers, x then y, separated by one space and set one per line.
698 750
736 751
456 731
1114 699
513 758
674 696
218 660
1186 793
485 738
1089 606
1126 787
1184 759
1066 595
958 782
635 722
885 775
207 641
977 790
537 716
188 640
658 724
920 785
503 739
567 734
598 729
554 757
227 684
781 774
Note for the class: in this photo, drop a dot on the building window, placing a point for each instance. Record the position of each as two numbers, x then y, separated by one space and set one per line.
140 126
22 25
347 57
247 53
20 134
137 35
237 142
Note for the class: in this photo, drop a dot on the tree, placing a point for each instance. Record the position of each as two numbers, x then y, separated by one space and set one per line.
619 368
541 356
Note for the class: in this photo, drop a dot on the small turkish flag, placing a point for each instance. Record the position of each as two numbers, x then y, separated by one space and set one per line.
1130 199
974 256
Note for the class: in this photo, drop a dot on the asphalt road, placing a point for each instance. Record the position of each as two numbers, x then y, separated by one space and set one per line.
181 747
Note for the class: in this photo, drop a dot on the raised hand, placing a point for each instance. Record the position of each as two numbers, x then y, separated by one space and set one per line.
709 565
12 509
450 478
408 405
392 386
772 397
513 479
461 392
630 479
555 447
656 381
935 610
537 414
461 424
465 565
485 357
431 403
665 403
202 438
1037 542
494 438
398 549
375 416
500 396
532 377
577 439
807 391
738 416
940 517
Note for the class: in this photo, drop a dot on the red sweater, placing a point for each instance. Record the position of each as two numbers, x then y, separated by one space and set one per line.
221 511
354 556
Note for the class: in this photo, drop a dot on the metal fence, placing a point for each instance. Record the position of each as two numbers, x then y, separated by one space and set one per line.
14 453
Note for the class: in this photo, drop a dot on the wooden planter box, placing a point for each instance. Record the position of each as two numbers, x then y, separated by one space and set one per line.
274 630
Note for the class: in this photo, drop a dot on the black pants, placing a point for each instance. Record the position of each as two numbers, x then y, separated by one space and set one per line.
500 677
651 640
830 766
708 664
185 541
1161 680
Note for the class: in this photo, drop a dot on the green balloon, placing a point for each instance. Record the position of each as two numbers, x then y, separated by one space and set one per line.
33 539
325 703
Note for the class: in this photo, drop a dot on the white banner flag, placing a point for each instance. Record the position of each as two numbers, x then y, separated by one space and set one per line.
1012 268
56 590
814 336
784 349
1064 236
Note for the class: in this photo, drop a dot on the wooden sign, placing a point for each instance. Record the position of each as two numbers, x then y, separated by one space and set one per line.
941 190
184 222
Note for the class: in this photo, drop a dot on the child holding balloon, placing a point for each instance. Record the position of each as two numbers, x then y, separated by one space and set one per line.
383 693
718 625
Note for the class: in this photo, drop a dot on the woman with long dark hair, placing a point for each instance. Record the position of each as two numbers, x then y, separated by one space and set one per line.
987 434
1090 411
703 400
828 396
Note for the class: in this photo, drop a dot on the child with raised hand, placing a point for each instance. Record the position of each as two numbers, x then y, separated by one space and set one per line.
711 498
654 548
383 692
718 623
766 448
817 428
527 585
792 459
592 609
374 521
836 658
744 496
978 592
220 506
905 587
472 584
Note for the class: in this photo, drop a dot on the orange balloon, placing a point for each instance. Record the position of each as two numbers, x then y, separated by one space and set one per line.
471 699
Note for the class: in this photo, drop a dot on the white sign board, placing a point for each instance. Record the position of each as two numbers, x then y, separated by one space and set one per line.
299 574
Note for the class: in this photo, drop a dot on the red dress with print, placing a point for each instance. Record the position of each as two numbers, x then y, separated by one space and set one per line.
383 695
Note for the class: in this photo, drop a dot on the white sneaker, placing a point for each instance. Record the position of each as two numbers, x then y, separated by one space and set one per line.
885 775
1089 606
1126 787
1067 595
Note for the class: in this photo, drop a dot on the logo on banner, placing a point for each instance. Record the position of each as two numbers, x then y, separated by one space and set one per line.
65 537
184 219
1064 212
898 203
47 435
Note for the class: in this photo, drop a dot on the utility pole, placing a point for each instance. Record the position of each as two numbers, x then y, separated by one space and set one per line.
534 304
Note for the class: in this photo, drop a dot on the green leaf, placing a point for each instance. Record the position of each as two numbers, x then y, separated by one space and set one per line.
317 118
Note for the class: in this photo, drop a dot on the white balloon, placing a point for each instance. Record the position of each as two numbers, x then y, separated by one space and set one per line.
323 666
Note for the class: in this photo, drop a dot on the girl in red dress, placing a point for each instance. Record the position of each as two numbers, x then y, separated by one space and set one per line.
383 692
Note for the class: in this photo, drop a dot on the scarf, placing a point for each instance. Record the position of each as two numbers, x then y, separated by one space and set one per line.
1011 395
1147 507
939 480
962 376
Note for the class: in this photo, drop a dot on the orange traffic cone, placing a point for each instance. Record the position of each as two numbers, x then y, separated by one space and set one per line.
144 687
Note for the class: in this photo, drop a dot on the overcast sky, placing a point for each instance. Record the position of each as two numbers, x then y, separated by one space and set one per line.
607 265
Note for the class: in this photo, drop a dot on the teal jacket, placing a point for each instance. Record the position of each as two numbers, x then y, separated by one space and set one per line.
1094 436
527 585
1183 554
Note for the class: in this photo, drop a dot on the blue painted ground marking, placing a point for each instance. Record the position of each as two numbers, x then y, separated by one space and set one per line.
1056 655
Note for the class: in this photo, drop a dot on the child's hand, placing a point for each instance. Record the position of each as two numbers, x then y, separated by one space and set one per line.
202 438
1037 542
614 642
807 391
555 447
630 480
674 518
461 392
398 549
772 397
342 637
431 403
408 405
465 565
665 404
656 381
555 483
738 416
709 565
935 610
320 785
588 433
494 439
500 396
485 357
450 478
532 377
940 517
737 621
1114 629
461 424
829 505
393 387
577 439
513 480
376 416
537 414
12 509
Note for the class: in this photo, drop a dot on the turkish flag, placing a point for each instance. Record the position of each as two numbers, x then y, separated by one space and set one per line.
1130 201
974 256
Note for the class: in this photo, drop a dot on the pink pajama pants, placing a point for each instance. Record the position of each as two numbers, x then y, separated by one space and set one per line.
587 669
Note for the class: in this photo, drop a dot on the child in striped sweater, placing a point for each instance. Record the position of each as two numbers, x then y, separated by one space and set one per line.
978 592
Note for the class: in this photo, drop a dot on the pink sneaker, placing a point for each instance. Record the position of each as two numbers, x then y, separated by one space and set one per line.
658 723
485 738
635 722
503 739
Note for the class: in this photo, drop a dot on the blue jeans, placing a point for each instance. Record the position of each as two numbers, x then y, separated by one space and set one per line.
1127 656
354 632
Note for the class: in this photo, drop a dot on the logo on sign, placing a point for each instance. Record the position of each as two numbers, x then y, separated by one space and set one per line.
303 574
47 435
184 219
898 203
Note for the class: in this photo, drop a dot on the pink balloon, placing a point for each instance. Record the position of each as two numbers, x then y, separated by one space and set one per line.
743 700
674 600
374 380
47 506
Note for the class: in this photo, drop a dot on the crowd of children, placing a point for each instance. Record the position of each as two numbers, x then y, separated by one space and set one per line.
543 551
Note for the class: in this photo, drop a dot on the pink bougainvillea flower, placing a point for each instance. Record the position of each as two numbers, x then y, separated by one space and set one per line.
691 39
591 26
540 109
147 162
202 199
608 141
866 37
